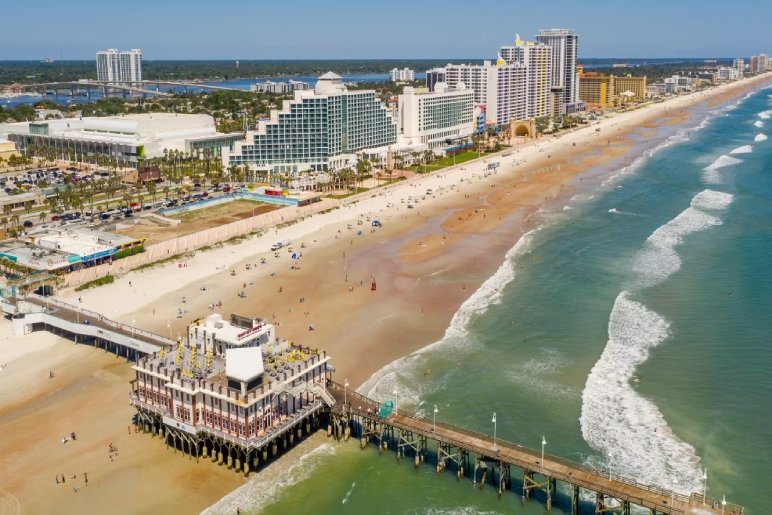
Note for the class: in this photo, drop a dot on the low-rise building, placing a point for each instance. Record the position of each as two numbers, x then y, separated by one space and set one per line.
7 149
240 398
66 249
128 138
279 88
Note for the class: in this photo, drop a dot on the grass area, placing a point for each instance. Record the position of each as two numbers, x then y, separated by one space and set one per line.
350 193
439 164
108 279
223 209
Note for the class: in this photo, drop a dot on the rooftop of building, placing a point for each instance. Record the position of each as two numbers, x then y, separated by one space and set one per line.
237 330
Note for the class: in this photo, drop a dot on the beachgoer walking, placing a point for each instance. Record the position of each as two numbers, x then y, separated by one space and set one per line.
85 478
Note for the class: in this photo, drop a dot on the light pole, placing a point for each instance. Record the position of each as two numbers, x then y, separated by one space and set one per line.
132 328
723 504
543 443
434 420
396 398
345 392
704 485
494 429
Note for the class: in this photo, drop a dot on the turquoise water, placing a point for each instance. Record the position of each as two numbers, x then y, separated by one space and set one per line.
630 331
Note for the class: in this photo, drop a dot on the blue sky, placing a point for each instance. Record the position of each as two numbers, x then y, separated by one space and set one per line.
328 29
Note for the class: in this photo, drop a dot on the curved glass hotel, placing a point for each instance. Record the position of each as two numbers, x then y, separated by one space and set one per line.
320 129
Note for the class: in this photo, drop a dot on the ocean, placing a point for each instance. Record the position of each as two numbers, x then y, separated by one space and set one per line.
630 330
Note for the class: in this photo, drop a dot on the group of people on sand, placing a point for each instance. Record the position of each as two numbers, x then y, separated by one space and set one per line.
61 479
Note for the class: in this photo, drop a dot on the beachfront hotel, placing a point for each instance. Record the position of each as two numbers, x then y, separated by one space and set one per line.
122 67
436 118
565 49
599 91
521 84
231 390
318 130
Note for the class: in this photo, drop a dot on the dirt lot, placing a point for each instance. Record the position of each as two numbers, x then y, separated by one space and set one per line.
198 220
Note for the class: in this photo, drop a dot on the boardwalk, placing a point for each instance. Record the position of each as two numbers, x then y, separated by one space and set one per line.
605 485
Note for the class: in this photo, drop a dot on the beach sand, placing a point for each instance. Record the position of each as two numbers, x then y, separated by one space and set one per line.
426 262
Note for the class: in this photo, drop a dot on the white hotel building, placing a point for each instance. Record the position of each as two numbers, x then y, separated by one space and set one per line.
401 75
435 118
320 129
119 66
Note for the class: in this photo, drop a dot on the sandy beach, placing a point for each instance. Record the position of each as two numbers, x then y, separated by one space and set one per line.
426 261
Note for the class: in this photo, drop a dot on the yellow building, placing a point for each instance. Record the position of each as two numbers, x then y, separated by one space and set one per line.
635 85
596 90
599 91
7 149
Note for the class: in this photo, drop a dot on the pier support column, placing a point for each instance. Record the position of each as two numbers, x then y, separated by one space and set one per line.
574 500
230 461
237 465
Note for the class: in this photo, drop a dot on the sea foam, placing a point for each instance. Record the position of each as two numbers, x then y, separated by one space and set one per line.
404 375
764 115
758 123
623 425
628 429
265 487
745 149
711 175
760 137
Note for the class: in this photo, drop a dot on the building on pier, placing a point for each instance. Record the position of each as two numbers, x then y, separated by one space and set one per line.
231 390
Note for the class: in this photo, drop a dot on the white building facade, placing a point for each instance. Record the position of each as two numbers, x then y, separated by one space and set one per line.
119 66
537 58
401 75
436 118
739 67
320 129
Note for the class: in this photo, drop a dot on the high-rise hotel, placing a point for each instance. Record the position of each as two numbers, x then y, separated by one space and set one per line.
320 129
119 66
516 87
565 48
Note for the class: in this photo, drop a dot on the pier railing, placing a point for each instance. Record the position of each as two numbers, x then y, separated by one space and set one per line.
598 479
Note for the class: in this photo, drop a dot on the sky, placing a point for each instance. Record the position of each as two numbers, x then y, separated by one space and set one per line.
364 29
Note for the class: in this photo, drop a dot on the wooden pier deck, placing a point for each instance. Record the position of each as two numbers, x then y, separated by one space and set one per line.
606 486
84 323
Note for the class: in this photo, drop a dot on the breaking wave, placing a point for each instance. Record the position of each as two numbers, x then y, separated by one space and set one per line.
615 419
760 137
758 123
404 375
264 489
710 173
745 149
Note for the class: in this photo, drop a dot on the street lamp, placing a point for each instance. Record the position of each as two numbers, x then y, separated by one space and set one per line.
396 398
543 443
434 420
723 504
704 485
345 392
494 429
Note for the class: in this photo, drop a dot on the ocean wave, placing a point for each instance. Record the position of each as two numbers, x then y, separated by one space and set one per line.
405 374
263 489
627 428
659 259
745 149
712 200
764 115
679 137
711 175
758 123
760 137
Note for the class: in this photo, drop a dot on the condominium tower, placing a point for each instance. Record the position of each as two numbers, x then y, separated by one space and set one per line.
119 66
436 118
564 43
401 75
537 59
319 129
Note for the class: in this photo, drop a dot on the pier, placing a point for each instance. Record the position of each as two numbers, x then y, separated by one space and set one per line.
299 396
476 454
